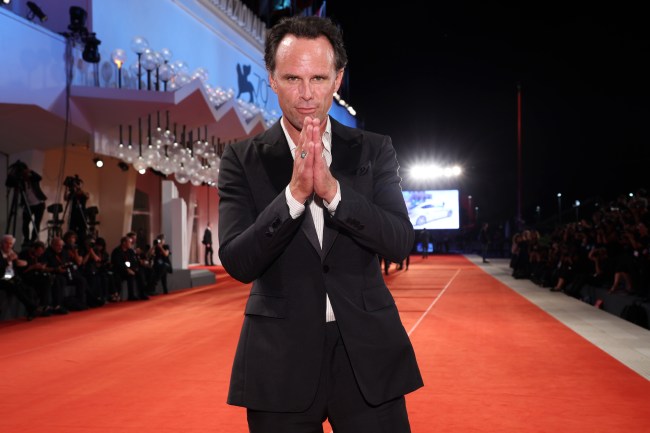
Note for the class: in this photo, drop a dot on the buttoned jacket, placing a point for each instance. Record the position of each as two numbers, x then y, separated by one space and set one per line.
278 359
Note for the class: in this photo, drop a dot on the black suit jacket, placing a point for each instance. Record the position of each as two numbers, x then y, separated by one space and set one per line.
278 359
207 237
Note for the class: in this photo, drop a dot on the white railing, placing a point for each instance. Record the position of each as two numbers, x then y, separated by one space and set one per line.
240 14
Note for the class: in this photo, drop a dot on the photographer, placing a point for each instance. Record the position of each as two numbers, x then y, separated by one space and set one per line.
35 275
125 268
96 269
10 282
71 254
57 264
162 266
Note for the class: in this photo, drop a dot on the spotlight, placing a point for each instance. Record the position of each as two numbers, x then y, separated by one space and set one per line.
5 2
98 162
123 166
78 20
34 11
91 53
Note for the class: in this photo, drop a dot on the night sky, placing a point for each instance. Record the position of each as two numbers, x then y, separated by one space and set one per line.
441 80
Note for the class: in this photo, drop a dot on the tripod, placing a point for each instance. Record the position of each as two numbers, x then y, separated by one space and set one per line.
75 203
54 225
19 197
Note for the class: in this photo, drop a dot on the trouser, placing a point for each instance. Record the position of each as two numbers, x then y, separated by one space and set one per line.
208 256
159 274
43 284
338 399
24 293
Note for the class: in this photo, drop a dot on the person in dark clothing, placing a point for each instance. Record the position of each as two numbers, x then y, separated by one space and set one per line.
96 268
73 255
142 267
125 267
305 208
9 280
484 239
425 239
35 275
207 242
161 263
58 264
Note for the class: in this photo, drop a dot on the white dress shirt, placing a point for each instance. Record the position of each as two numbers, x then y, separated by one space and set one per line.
316 205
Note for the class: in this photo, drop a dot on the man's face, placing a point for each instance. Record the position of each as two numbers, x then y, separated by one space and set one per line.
57 245
7 245
305 79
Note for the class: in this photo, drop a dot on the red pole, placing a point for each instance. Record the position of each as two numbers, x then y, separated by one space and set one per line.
519 168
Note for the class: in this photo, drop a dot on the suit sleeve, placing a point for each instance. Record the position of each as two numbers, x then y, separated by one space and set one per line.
378 221
250 239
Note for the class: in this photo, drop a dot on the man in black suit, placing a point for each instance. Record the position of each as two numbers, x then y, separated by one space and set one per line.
207 243
305 209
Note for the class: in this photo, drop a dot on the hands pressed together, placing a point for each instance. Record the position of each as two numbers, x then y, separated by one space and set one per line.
311 175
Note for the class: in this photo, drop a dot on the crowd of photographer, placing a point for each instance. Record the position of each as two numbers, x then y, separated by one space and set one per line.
65 276
610 249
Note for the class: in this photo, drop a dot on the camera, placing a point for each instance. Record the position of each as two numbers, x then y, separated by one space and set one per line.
72 182
69 266
15 175
91 52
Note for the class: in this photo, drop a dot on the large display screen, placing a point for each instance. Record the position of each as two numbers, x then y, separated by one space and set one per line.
433 209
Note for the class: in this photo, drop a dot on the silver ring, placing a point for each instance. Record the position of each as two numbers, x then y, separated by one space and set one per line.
303 154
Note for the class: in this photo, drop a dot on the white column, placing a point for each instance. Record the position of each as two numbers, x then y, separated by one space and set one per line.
174 223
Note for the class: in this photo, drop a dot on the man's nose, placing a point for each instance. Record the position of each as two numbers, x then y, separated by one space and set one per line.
306 91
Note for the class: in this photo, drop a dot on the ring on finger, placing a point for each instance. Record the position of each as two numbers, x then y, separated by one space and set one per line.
303 154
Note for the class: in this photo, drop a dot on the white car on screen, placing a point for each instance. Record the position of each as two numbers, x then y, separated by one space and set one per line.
428 211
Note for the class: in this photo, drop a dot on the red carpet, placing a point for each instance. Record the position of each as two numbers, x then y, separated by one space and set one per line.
492 362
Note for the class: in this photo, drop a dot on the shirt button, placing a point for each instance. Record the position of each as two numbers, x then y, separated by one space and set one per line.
326 269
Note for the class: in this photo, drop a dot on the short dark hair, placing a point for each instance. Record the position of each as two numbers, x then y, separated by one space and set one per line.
38 244
308 27
67 235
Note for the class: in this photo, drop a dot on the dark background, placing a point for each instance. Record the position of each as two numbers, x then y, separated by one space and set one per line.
441 79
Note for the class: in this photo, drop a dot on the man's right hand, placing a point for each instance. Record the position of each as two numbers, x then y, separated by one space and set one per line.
302 179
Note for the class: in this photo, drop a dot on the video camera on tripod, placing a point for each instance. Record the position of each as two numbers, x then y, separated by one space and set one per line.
17 177
73 183
83 221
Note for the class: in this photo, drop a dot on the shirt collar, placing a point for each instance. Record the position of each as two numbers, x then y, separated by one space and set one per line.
327 137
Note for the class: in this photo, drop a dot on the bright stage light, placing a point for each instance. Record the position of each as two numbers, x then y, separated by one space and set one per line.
433 171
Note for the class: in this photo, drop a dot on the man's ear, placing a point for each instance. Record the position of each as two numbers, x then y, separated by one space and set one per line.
338 80
273 83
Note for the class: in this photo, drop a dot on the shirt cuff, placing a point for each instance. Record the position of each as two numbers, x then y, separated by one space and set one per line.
295 207
331 206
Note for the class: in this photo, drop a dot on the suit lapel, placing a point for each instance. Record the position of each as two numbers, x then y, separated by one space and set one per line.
276 157
346 155
346 151
277 161
273 148
309 229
